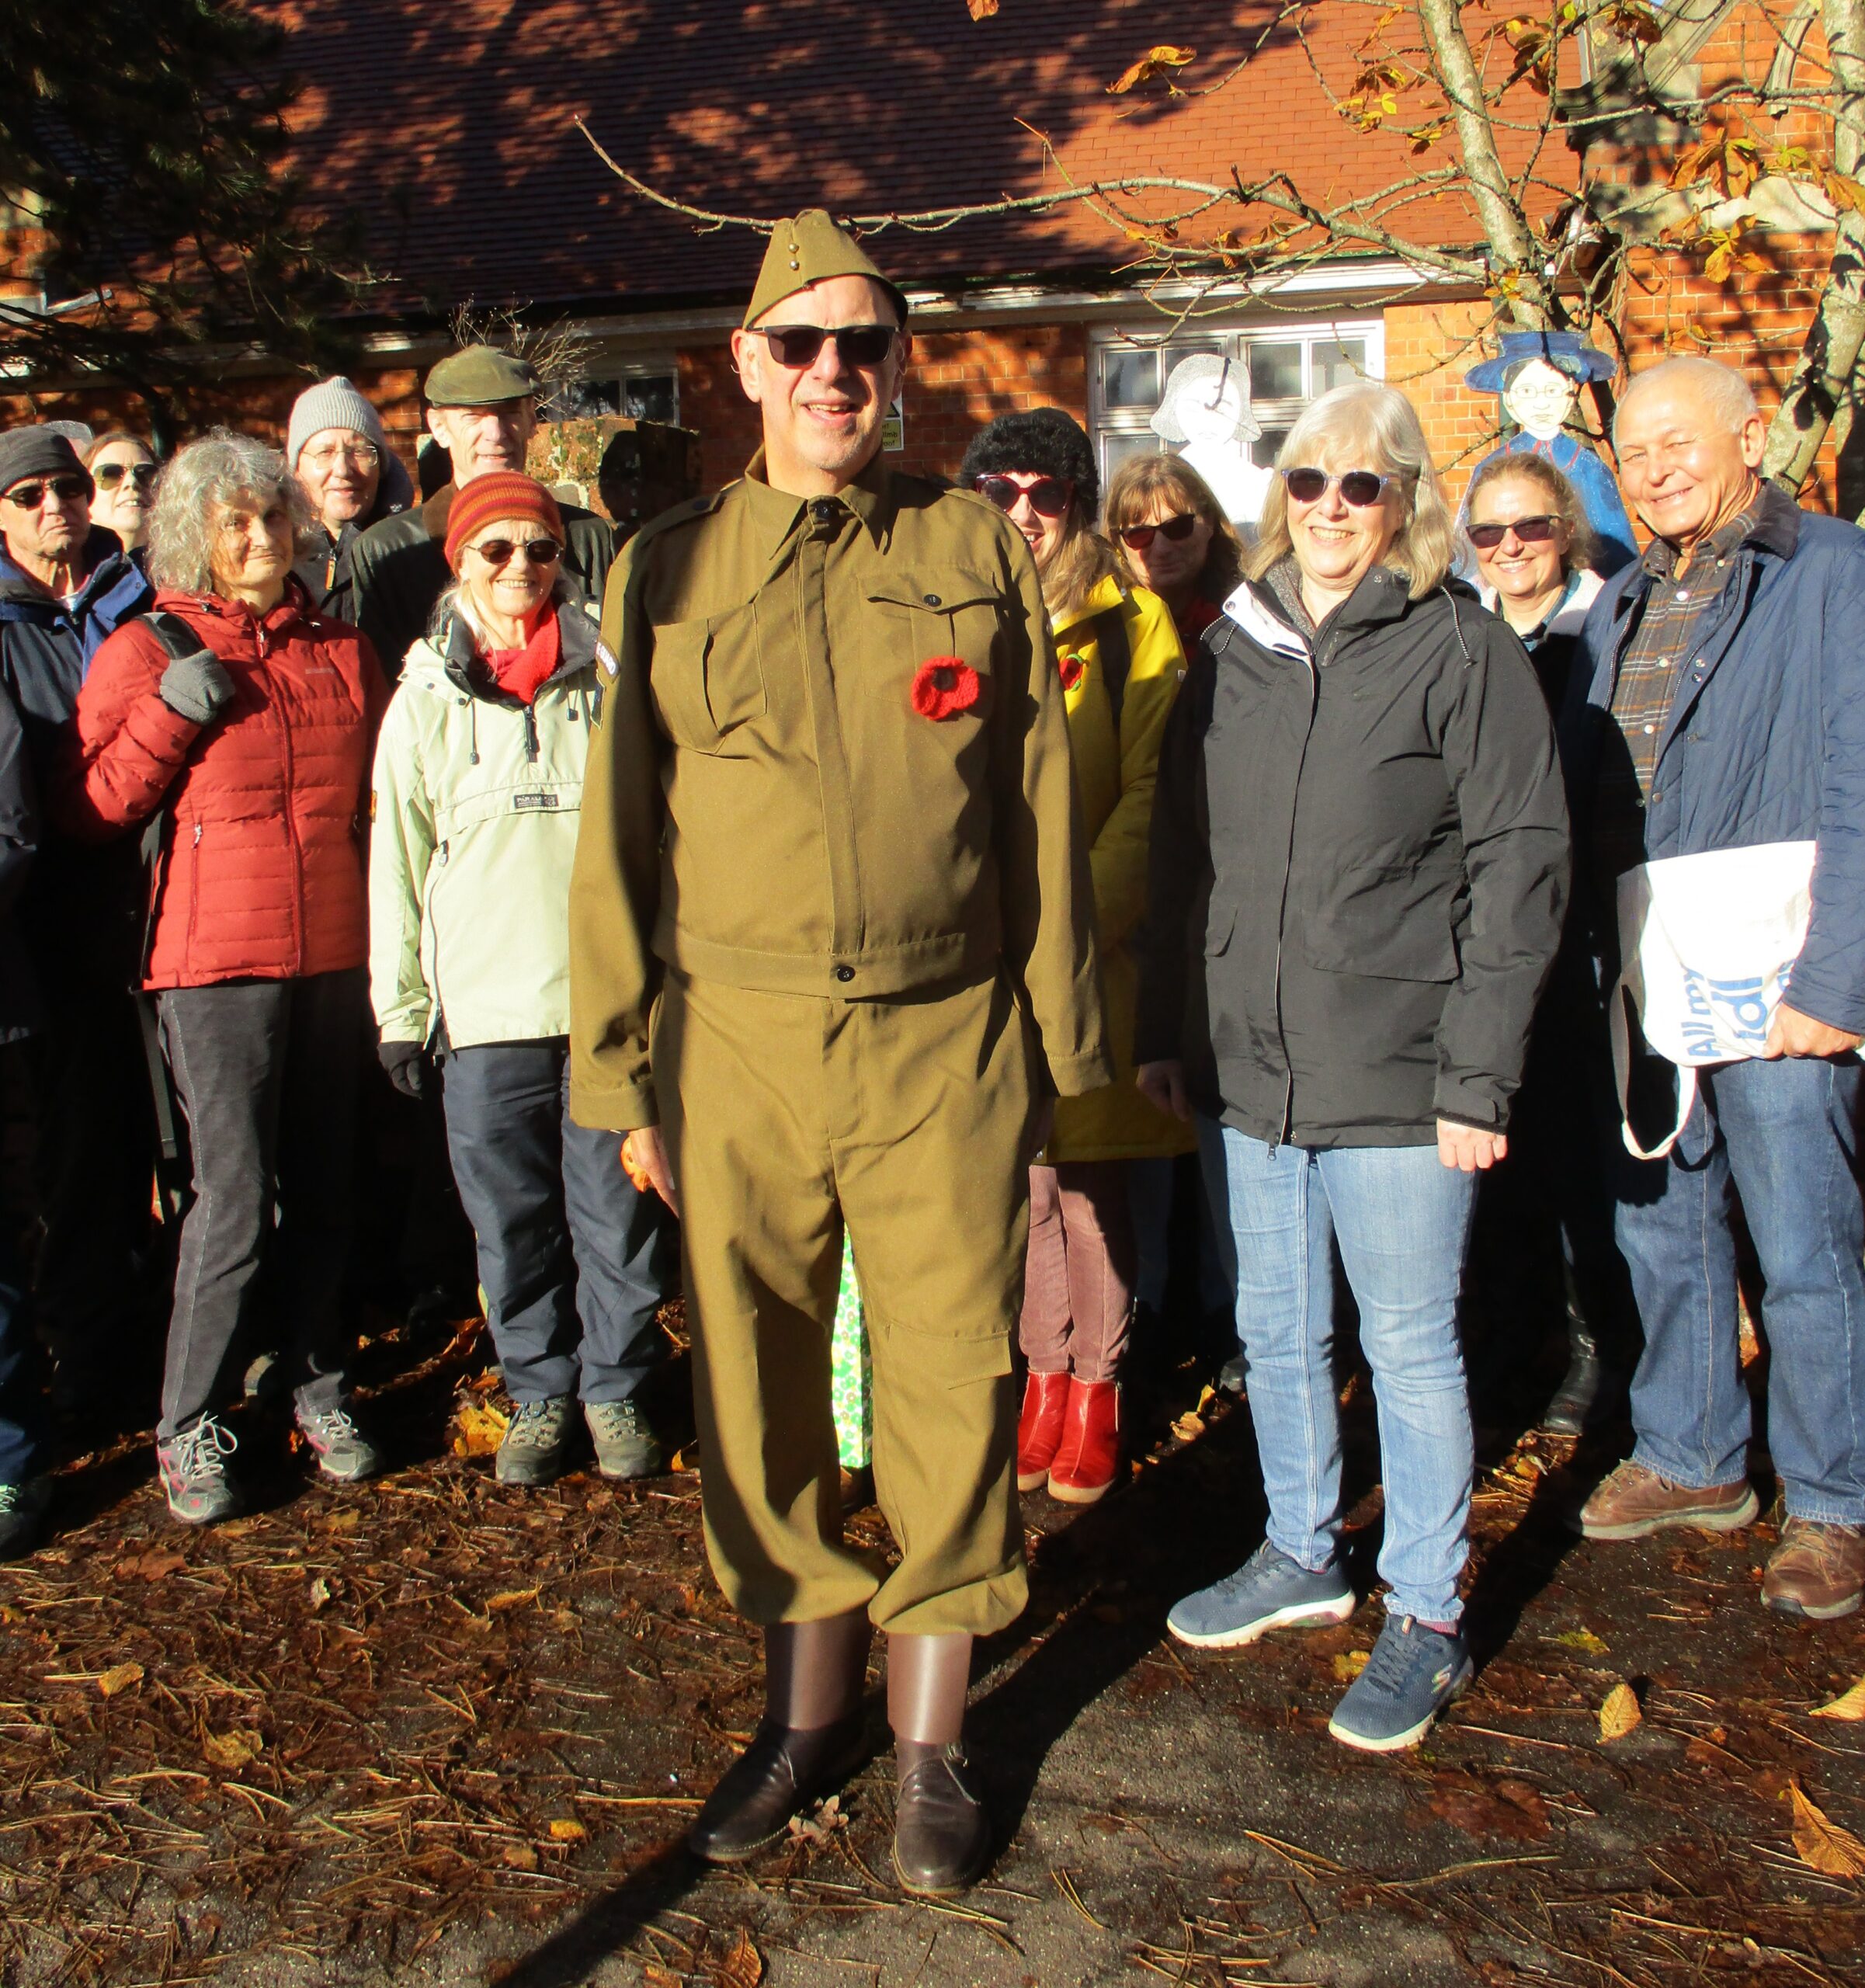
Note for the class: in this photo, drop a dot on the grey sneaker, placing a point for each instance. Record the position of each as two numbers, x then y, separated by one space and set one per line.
626 1445
193 1467
536 1442
1413 1673
344 1453
1268 1591
22 1511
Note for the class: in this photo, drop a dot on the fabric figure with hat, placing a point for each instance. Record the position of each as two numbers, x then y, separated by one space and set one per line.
1538 376
832 956
1205 412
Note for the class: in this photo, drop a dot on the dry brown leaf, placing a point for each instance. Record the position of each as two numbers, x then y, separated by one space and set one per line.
232 1750
1850 1704
982 10
1151 64
653 1975
1620 1714
320 1594
1823 1846
566 1828
1349 1663
343 1521
515 1597
479 1427
1580 1639
520 1857
744 1966
153 1565
120 1677
1187 1428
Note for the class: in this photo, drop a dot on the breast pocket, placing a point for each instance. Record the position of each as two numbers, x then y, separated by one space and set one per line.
707 677
938 613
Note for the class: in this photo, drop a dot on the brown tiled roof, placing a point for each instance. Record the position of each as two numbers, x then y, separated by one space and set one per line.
445 126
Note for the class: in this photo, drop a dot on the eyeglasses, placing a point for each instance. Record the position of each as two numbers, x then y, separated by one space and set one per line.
539 552
1049 497
1137 538
1536 531
796 346
143 475
1361 488
67 489
365 455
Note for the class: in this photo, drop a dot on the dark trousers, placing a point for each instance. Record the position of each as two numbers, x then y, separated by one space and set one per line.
265 1072
20 1455
569 1250
95 1176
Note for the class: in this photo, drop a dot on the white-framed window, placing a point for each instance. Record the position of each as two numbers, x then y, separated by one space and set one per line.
650 392
1287 364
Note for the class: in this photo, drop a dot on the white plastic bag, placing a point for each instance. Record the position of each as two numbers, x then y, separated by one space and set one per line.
1707 943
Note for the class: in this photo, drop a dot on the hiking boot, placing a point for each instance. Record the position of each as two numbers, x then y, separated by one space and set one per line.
1819 1569
1268 1591
941 1830
193 1467
625 1445
1039 1427
536 1442
1634 1502
1089 1454
22 1511
1413 1673
344 1453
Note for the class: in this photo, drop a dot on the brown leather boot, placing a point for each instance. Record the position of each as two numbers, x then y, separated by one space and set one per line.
808 1741
942 1832
1634 1502
1818 1570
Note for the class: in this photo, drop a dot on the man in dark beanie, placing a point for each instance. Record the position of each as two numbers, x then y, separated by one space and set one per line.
65 584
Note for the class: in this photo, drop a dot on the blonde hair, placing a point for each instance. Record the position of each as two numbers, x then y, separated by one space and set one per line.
1078 566
1364 425
1562 499
1139 483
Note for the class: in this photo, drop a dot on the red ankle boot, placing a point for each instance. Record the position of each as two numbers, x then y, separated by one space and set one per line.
1039 1428
1089 1454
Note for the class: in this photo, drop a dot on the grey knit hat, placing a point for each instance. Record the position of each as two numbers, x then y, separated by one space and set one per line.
332 403
40 451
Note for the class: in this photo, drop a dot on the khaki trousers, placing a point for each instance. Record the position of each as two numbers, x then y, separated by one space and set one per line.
907 1119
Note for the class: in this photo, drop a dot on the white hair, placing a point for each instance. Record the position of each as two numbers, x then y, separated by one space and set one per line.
222 467
1721 389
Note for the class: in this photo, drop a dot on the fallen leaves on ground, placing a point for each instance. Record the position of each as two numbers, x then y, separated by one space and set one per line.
232 1750
1349 1663
566 1828
1620 1713
744 1966
1507 1806
817 1826
1580 1639
1822 1844
120 1677
478 1426
513 1598
1848 1704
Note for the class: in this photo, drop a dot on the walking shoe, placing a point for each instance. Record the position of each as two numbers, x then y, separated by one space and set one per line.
1413 1673
1268 1591
1634 1502
344 1453
22 1511
1818 1569
193 1467
1090 1451
941 1830
1039 1427
536 1442
625 1445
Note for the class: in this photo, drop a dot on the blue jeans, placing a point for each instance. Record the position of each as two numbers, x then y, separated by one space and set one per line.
1783 1137
1402 1221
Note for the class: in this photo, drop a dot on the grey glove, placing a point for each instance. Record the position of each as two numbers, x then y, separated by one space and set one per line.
197 686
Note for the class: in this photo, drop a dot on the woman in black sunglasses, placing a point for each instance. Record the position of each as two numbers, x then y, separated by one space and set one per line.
1170 535
1121 664
1360 861
123 471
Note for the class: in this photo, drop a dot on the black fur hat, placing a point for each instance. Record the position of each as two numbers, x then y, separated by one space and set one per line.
1041 442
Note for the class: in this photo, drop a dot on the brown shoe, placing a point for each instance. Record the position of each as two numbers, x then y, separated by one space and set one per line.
1634 1502
1817 1570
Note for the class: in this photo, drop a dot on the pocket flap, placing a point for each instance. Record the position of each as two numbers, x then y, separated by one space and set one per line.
936 589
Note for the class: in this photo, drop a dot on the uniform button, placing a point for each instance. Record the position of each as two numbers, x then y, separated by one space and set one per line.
932 600
844 974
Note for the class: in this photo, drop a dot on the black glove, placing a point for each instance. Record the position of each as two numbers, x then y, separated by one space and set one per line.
197 687
406 1063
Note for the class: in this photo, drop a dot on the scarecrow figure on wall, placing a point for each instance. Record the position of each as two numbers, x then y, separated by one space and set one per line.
1539 375
1205 413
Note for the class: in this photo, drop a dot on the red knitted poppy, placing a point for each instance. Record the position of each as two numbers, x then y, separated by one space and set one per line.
1072 668
943 686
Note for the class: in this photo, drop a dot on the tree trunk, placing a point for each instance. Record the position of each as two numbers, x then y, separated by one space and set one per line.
1823 375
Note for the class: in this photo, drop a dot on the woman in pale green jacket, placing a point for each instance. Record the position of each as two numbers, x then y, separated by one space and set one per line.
478 789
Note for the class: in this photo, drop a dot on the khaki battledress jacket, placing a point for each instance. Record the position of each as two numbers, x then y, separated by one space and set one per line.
765 808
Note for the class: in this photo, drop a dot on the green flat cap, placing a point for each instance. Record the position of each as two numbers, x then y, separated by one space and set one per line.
480 375
808 249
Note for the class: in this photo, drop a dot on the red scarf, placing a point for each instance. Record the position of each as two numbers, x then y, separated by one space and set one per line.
1192 619
521 672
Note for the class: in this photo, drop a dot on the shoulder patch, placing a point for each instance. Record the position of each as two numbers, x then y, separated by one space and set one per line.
606 656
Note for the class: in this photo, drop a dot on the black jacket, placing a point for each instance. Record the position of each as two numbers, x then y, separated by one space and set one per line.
1358 870
328 571
398 570
18 840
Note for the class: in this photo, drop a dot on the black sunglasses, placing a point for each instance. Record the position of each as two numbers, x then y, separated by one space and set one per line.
796 346
1536 531
1361 488
29 496
108 475
539 551
1049 497
1137 538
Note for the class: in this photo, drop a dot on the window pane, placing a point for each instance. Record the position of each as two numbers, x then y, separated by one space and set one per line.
1335 365
1276 371
1130 379
652 397
1116 449
1262 450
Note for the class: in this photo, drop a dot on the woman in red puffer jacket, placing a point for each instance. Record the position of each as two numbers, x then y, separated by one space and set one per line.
247 736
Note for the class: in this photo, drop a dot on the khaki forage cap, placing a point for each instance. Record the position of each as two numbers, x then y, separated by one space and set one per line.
480 375
810 249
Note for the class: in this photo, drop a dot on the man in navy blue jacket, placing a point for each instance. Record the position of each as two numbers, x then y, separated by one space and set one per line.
1726 710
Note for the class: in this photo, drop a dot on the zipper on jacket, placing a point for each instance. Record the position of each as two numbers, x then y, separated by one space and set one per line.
1282 910
530 735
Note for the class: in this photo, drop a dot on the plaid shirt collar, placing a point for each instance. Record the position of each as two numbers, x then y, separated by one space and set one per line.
1772 520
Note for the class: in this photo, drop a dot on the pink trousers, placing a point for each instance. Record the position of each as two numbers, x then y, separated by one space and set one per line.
1078 1277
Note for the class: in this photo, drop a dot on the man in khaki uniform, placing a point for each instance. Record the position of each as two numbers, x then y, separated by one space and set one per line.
832 954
